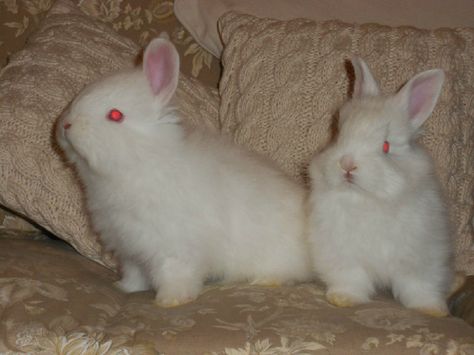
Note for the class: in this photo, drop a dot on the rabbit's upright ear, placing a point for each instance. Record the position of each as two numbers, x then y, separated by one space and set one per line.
364 84
161 68
419 95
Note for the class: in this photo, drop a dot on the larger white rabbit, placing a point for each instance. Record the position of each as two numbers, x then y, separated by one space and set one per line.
378 218
178 205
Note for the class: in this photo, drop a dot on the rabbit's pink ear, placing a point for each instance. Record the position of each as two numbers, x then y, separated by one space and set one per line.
161 67
364 84
419 95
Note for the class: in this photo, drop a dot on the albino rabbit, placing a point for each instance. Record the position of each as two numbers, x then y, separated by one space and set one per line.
377 216
178 205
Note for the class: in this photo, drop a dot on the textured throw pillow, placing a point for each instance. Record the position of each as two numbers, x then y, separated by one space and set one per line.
70 50
283 82
200 16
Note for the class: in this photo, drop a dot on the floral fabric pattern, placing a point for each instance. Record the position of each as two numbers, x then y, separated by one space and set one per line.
138 20
55 301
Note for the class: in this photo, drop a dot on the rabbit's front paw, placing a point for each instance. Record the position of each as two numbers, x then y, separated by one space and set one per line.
340 299
133 279
173 302
127 285
177 294
267 282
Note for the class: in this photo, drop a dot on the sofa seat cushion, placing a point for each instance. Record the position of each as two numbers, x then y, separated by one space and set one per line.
53 300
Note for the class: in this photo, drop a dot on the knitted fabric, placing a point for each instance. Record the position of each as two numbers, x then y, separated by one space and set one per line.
283 82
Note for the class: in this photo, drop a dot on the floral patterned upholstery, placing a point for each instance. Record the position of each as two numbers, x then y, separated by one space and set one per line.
138 20
55 301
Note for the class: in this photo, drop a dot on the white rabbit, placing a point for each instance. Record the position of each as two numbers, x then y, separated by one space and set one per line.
377 216
179 205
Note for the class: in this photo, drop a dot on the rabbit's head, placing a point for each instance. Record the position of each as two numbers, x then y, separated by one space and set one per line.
375 151
116 116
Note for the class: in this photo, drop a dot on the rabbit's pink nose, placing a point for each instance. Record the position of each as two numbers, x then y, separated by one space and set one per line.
67 126
347 163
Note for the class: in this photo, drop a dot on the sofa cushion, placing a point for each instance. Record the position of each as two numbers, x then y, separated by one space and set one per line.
283 82
200 16
56 301
70 50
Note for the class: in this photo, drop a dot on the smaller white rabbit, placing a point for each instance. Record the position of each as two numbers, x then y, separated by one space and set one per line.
377 216
178 205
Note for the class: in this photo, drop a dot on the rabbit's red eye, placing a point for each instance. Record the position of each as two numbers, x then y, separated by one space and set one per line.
115 115
386 147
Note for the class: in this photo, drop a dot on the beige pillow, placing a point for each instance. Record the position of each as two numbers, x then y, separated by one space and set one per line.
283 81
69 50
200 16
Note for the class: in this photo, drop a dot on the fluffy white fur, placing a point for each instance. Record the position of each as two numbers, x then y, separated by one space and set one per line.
177 205
378 219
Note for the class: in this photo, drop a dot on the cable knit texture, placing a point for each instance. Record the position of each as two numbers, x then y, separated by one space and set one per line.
69 51
283 82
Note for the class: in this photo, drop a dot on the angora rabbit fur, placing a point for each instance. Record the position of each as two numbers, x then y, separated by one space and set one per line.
178 205
377 215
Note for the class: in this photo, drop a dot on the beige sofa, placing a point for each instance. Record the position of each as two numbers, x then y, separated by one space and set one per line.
58 299
55 301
